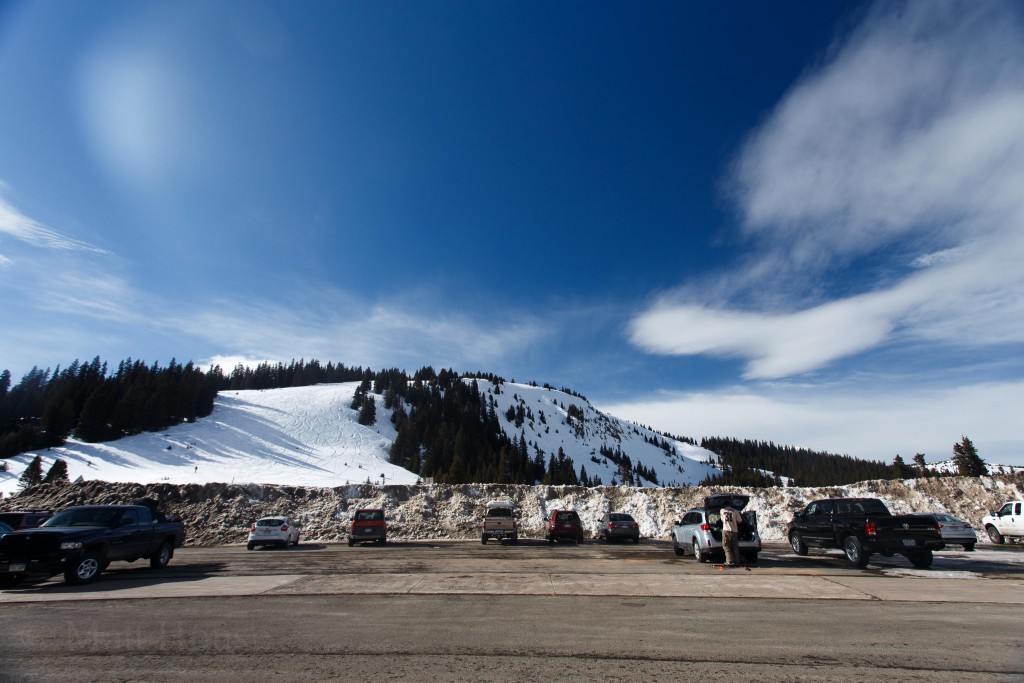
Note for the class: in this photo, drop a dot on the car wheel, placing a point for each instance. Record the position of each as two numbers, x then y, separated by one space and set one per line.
11 580
636 539
250 545
994 535
579 540
969 547
162 557
796 541
84 570
296 540
676 547
514 539
351 543
855 552
483 540
383 541
921 560
284 546
750 558
698 554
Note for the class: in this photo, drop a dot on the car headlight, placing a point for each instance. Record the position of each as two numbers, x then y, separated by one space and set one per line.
71 545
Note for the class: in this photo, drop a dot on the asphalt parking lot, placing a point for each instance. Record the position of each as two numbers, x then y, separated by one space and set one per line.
459 611
990 574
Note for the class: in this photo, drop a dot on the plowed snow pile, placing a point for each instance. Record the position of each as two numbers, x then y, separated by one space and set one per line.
217 514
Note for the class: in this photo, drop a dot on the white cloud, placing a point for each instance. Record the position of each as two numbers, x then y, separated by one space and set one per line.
19 226
861 422
910 138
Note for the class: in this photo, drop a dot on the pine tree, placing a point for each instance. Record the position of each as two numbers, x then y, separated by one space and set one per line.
368 413
968 462
899 468
920 464
33 474
57 474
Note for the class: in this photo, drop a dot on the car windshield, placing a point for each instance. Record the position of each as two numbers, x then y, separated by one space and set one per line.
83 517
4 529
270 522
567 516
369 515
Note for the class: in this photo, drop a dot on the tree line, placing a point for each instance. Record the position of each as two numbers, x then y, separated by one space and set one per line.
763 463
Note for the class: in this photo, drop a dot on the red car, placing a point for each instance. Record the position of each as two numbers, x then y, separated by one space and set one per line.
564 524
368 524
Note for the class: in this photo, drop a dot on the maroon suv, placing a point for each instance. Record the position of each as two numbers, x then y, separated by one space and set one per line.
564 525
368 524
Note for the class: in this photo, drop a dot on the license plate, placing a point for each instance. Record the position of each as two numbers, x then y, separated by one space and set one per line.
16 567
909 542
499 534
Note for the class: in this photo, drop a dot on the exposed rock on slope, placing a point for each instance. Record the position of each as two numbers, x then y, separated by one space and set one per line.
217 514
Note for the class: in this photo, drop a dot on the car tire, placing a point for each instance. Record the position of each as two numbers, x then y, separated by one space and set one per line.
483 540
921 559
383 541
250 545
796 542
514 539
698 554
969 547
296 544
351 543
579 540
994 535
750 558
163 555
284 546
676 548
84 570
636 540
855 552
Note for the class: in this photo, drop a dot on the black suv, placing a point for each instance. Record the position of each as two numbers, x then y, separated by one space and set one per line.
25 519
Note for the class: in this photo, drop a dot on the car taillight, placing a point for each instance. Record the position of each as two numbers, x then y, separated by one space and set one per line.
636 526
869 528
252 528
284 527
705 527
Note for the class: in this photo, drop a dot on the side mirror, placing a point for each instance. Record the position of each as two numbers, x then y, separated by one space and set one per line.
799 515
678 522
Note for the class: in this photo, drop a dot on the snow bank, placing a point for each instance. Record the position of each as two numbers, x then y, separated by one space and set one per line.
218 514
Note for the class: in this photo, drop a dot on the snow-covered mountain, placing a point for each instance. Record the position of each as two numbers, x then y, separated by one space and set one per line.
310 436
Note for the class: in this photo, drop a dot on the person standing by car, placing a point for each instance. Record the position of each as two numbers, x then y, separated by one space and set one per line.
731 535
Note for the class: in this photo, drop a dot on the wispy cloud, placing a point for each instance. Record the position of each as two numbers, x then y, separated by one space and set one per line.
333 326
910 138
19 226
864 422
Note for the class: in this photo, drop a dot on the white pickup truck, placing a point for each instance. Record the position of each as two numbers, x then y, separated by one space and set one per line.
1007 522
500 522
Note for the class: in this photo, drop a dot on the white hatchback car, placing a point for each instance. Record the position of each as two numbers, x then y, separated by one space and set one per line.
280 531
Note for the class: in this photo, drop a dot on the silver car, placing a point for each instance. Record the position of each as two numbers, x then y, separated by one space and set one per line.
700 530
954 531
619 526
279 530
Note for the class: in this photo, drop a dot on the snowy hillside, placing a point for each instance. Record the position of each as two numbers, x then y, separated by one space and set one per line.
309 436
550 422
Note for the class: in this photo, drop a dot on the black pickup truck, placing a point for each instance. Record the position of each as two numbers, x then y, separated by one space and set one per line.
862 527
81 541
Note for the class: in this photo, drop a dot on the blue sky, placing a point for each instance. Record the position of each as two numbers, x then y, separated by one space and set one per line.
793 221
